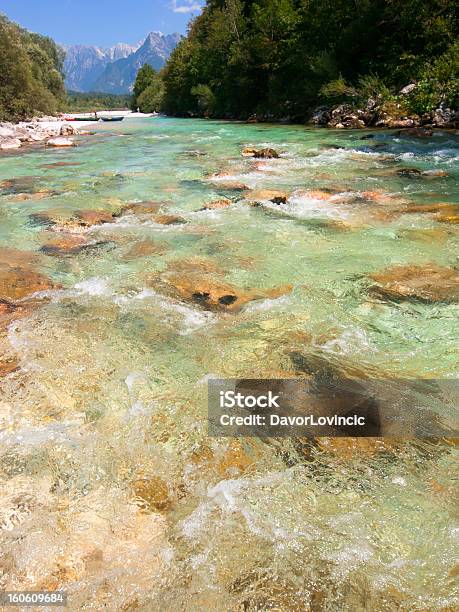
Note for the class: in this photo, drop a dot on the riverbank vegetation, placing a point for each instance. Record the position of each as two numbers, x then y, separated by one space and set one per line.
148 92
31 77
79 102
278 58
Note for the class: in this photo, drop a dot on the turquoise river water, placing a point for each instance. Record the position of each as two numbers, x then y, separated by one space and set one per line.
111 489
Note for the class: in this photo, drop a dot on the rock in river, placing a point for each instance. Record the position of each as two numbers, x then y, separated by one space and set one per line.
426 283
272 195
216 205
60 141
17 283
210 293
80 222
266 153
169 219
147 207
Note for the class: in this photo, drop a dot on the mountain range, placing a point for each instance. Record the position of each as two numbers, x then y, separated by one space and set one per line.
113 70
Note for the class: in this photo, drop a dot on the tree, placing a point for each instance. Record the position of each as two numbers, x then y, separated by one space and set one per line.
31 77
283 57
146 77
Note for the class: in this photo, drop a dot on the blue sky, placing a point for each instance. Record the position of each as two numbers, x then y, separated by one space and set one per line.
101 22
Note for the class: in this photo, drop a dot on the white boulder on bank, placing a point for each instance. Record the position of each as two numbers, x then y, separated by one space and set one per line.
60 141
53 132
10 143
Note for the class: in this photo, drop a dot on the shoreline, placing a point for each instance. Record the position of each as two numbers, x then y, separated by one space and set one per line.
51 131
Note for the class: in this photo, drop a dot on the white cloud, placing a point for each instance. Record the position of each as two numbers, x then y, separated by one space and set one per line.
185 6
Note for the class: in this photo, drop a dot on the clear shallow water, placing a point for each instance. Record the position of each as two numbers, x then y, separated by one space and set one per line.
111 488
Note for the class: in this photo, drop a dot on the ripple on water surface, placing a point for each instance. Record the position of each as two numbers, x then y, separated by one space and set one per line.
110 481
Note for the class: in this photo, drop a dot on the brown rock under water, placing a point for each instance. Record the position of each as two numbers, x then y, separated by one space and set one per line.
234 461
152 493
216 205
61 164
17 283
273 195
78 223
427 283
169 219
209 293
144 248
147 207
354 448
88 218
265 153
194 264
8 365
64 244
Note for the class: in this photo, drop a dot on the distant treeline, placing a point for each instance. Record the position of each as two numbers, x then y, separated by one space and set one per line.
31 79
285 57
94 101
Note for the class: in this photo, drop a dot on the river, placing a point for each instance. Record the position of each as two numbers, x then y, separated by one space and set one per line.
111 488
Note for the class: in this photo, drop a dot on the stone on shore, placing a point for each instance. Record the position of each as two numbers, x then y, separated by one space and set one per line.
426 283
10 143
60 141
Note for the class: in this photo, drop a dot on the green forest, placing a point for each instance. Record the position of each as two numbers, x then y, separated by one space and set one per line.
31 79
270 58
79 102
285 57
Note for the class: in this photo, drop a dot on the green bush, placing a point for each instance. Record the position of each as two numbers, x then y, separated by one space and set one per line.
371 86
337 90
205 97
150 100
439 83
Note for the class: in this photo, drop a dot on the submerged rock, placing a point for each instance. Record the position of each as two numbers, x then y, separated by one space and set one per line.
169 219
152 493
409 172
20 185
63 245
144 248
80 222
427 283
417 132
61 164
71 244
147 207
88 218
17 283
434 173
37 195
210 293
273 195
217 205
266 153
